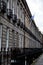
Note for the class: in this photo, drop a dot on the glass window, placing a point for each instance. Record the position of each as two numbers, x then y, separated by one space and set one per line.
14 5
13 38
22 16
18 10
21 12
20 41
9 4
7 41
0 35
5 0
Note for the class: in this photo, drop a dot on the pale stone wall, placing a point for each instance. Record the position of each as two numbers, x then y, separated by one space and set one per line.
4 31
16 34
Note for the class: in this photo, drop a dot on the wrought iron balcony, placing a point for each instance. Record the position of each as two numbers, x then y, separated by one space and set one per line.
18 22
9 13
23 27
21 24
2 6
14 18
26 29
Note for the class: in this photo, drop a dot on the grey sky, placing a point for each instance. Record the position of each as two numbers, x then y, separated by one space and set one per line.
36 8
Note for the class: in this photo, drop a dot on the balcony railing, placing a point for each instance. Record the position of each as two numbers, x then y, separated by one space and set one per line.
14 18
13 54
18 22
23 27
9 13
21 24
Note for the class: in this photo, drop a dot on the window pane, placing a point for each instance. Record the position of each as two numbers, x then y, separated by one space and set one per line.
18 10
7 42
20 41
5 0
0 35
9 4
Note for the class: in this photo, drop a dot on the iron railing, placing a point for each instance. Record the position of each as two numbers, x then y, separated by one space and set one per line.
16 55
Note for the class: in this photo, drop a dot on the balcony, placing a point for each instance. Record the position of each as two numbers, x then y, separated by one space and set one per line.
9 13
14 18
21 24
23 27
27 30
2 7
18 22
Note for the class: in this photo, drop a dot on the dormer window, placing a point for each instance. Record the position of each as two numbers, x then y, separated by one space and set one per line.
7 39
21 24
18 22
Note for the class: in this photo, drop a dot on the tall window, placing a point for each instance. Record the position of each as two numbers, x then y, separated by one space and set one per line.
20 41
23 15
0 35
7 41
18 10
14 6
9 4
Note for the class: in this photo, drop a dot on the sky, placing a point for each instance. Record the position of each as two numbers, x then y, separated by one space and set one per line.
36 8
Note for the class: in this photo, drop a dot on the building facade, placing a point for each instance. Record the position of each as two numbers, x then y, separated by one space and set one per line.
17 29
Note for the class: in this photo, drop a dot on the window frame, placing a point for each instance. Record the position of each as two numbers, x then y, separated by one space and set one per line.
0 37
7 39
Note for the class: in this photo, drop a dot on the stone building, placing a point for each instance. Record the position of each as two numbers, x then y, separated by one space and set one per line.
17 29
42 40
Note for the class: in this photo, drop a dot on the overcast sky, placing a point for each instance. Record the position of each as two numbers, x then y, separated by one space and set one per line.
36 8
